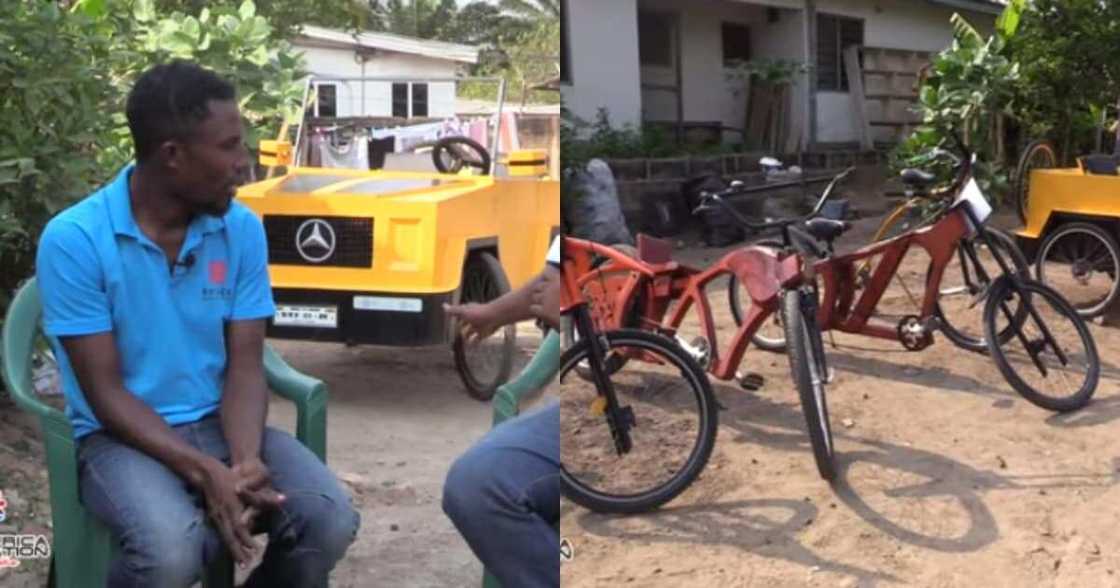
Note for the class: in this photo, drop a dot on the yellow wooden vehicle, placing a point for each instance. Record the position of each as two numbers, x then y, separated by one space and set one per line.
371 256
1071 218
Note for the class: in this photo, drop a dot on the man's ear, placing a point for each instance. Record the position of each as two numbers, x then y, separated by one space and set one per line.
170 155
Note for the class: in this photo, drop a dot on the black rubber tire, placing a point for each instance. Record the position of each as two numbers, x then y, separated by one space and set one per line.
444 144
1113 250
1037 289
805 367
600 502
483 265
1045 157
772 344
979 343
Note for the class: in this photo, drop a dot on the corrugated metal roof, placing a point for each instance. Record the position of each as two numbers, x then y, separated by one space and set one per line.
396 43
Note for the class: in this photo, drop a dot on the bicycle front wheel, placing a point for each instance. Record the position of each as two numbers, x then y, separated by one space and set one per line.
669 401
1051 360
806 363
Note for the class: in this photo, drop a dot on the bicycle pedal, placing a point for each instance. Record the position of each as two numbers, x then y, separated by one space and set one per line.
751 381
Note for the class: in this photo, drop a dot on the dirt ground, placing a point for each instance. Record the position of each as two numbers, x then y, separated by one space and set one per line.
397 418
946 478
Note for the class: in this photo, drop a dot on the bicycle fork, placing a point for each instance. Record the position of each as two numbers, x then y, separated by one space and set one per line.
809 308
620 419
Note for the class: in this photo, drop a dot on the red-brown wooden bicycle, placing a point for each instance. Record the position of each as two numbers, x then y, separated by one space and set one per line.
1022 318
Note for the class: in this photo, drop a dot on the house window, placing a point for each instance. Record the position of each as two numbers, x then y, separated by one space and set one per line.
655 39
834 34
565 59
400 100
410 100
419 99
736 43
327 104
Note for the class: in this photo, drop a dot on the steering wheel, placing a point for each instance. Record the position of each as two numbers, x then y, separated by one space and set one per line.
451 154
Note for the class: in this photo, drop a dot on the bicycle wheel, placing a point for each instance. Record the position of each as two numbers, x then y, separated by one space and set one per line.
961 284
1082 261
1052 359
1037 155
674 415
806 363
770 336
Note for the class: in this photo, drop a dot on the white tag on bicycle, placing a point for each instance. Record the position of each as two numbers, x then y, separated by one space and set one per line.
974 199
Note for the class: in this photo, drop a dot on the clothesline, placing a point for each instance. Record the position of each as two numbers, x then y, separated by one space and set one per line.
365 147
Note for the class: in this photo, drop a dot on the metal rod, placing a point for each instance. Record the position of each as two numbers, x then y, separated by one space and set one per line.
498 129
302 120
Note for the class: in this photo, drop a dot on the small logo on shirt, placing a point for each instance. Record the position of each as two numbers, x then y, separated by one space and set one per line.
218 272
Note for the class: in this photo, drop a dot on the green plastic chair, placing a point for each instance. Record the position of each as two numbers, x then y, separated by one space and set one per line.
507 400
82 546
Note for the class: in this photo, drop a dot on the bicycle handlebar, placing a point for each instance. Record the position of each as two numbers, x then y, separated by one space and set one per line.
736 188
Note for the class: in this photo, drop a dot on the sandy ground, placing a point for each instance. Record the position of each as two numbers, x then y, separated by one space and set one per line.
397 419
946 478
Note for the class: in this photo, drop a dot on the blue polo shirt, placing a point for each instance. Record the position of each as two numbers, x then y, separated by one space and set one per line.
98 273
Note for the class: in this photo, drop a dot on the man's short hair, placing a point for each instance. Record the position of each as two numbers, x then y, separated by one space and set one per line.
169 100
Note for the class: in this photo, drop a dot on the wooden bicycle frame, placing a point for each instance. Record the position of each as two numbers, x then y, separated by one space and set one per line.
840 310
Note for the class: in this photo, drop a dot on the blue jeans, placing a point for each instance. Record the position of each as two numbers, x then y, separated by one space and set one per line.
161 525
503 495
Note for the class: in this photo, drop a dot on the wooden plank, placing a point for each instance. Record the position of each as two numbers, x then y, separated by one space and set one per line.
859 102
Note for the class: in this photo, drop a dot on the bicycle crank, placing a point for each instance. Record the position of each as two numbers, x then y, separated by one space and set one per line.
913 333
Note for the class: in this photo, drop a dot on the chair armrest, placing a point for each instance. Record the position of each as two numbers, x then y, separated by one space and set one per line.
540 371
308 394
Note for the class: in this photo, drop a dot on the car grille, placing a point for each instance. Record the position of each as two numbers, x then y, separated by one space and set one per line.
353 241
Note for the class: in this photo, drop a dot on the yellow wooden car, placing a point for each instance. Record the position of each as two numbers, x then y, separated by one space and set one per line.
372 256
1071 218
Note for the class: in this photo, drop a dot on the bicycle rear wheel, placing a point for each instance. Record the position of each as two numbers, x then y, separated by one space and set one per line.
674 419
770 336
1051 360
806 363
961 284
1037 155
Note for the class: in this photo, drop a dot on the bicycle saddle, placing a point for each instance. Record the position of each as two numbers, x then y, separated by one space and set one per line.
826 229
917 178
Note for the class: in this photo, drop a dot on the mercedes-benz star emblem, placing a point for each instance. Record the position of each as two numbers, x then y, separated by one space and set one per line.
315 240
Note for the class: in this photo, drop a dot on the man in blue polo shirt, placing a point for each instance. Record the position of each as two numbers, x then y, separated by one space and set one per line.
155 295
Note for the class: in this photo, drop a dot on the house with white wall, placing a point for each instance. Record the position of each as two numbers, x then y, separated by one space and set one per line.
332 56
668 60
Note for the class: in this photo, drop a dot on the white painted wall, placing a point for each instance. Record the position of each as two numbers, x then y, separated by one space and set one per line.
376 100
603 52
708 94
895 24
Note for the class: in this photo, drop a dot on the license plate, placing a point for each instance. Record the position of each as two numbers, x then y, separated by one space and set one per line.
293 315
388 303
